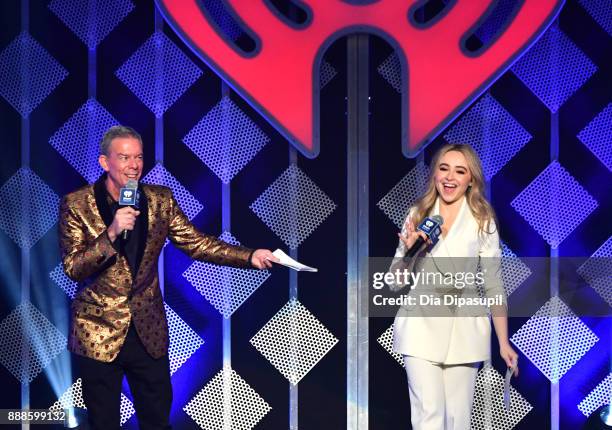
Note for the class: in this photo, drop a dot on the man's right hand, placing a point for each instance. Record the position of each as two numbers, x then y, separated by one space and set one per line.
125 218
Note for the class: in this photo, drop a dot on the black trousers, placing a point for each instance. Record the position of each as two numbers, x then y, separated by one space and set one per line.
149 381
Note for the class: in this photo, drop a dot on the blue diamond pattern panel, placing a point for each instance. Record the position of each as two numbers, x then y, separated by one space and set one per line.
293 206
391 71
600 396
327 73
23 193
226 139
158 175
28 342
554 339
501 14
78 140
92 20
226 288
600 11
514 271
28 74
64 282
492 132
177 74
554 204
597 271
184 342
397 202
218 12
596 136
554 68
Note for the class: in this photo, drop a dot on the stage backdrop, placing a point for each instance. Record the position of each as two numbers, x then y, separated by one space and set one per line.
273 349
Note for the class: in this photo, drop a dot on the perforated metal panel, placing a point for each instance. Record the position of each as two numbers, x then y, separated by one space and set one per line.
554 204
494 22
226 139
183 340
397 202
188 203
391 71
64 282
26 332
514 271
488 409
73 398
386 341
207 407
327 73
492 132
554 68
293 206
78 140
554 339
596 136
218 12
294 341
44 73
26 187
597 271
158 92
600 396
600 11
226 288
91 21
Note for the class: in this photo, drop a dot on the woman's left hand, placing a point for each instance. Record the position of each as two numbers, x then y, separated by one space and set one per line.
510 357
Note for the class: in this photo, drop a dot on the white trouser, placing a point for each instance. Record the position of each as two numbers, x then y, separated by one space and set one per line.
440 395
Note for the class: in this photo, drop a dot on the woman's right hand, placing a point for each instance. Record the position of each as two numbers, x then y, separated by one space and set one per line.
411 235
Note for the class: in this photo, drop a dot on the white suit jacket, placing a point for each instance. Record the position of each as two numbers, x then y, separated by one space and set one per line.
451 339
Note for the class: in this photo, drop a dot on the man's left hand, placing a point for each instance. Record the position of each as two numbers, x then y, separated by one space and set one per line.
263 258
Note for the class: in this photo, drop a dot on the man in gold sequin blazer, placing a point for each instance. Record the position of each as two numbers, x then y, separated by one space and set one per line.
118 321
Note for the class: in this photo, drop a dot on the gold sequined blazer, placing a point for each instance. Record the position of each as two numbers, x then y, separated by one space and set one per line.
109 295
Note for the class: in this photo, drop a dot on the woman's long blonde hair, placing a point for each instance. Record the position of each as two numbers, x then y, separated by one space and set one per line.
478 204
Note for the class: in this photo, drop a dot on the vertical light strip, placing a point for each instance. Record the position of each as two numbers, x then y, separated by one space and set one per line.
91 55
159 126
226 225
554 286
25 248
293 294
357 369
554 255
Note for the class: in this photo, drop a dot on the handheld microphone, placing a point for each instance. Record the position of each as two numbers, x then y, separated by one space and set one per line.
129 196
431 228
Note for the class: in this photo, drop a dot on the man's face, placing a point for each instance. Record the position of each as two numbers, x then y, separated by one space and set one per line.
123 162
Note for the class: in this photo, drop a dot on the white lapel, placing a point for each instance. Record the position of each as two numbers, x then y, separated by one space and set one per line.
448 246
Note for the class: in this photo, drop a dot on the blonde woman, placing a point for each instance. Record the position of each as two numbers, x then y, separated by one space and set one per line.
443 346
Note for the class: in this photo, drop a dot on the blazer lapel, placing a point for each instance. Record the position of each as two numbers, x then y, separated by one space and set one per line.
143 226
146 212
101 202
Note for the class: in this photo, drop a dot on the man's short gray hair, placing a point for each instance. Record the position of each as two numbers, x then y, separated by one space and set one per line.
115 132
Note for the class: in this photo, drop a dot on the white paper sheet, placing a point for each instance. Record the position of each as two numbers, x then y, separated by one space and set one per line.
285 260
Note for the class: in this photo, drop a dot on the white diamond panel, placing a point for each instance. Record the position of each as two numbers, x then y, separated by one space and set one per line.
247 407
554 339
294 341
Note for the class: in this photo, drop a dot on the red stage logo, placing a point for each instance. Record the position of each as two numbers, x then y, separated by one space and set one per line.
281 77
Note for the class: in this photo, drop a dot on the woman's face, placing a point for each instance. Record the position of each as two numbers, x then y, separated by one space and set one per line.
452 176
